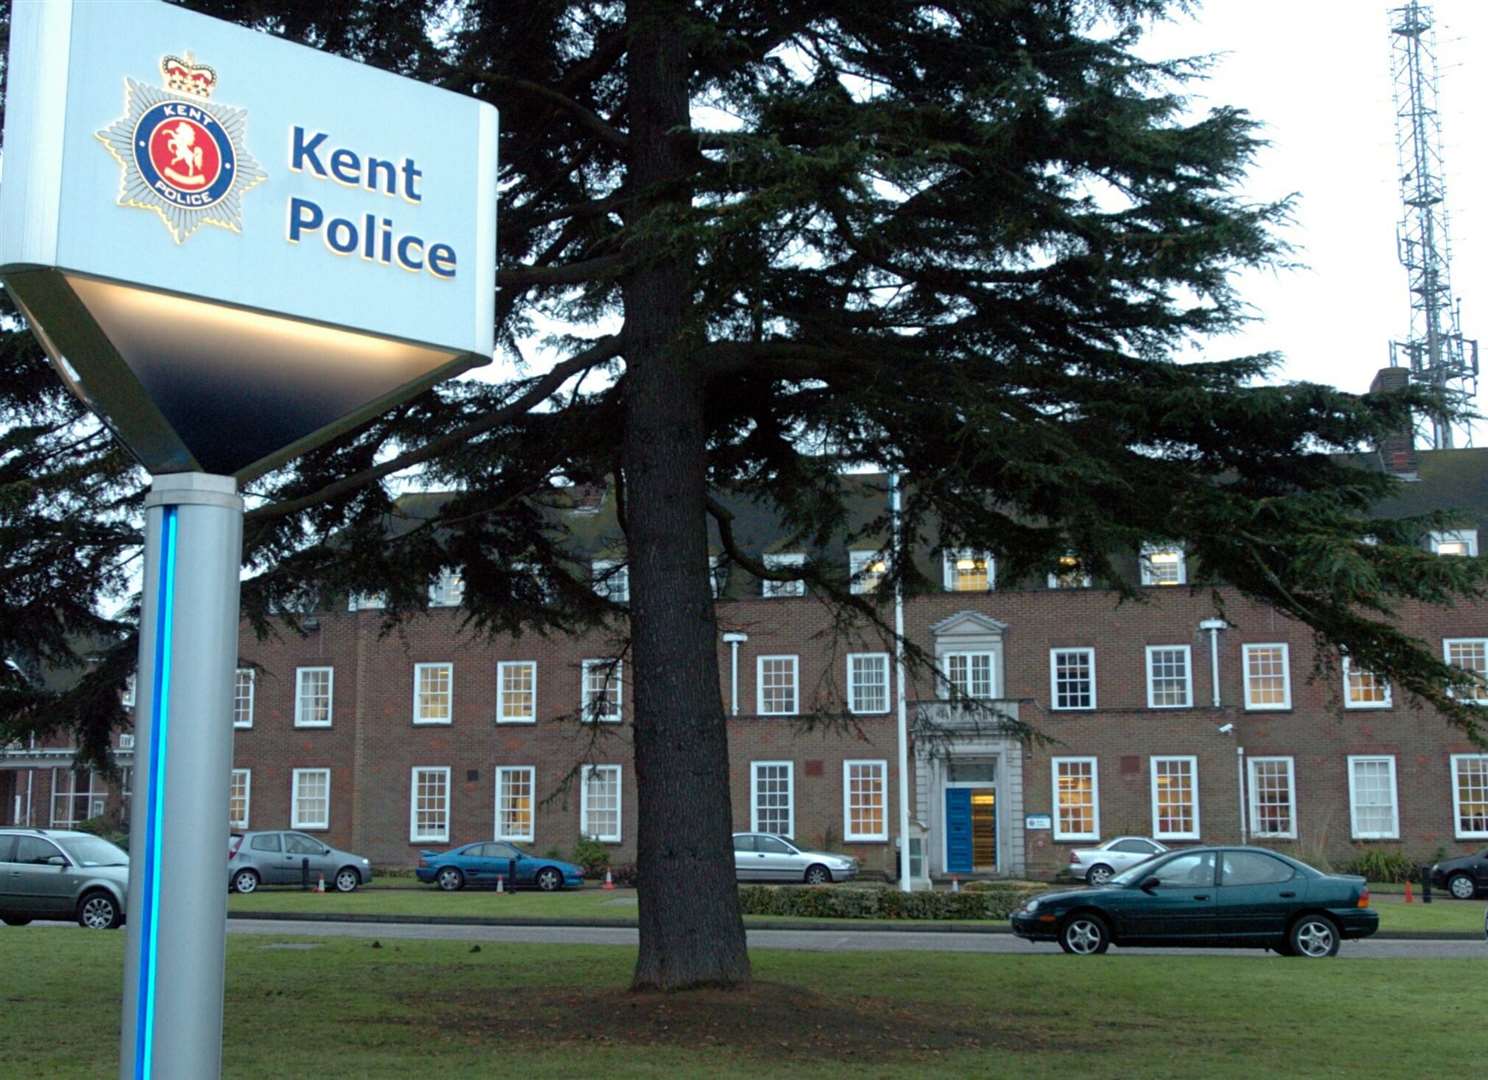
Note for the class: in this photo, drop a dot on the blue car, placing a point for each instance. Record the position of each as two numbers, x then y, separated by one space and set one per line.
489 861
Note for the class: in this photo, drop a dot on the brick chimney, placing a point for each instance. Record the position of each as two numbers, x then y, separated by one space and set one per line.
1398 449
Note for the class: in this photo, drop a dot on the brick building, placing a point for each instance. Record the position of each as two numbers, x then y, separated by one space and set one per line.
1157 718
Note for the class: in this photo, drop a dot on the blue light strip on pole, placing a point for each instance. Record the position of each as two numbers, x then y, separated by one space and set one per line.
144 1038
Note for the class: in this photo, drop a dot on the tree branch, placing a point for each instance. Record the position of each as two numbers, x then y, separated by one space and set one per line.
587 118
579 273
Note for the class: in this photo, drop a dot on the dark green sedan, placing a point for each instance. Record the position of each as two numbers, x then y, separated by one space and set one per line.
1240 896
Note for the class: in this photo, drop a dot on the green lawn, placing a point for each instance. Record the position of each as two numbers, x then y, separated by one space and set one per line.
348 1009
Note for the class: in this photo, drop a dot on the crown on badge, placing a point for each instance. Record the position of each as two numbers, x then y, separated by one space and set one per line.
188 77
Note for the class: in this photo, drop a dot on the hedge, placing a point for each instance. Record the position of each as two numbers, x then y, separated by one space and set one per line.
993 901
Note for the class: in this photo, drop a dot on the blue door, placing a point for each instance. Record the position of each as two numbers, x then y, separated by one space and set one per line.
958 830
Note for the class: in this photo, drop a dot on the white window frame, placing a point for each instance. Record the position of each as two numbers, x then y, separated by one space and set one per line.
611 579
1457 830
779 561
759 685
1253 792
790 789
882 767
1188 676
1481 698
126 697
1286 675
1466 538
299 715
297 822
1354 831
1145 562
247 777
946 684
861 578
502 667
418 677
950 576
717 575
1059 832
368 601
1073 578
854 705
1348 700
243 725
614 678
448 589
433 836
1054 682
1193 771
584 830
503 772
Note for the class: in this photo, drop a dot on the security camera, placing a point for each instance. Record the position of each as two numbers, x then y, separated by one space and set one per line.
1225 729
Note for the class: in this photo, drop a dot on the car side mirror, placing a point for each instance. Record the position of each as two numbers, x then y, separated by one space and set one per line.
57 861
1150 883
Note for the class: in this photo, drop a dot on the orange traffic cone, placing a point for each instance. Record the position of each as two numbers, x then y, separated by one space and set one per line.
501 883
609 881
320 885
1410 897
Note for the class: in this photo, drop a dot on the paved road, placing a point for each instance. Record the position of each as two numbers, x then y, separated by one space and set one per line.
817 940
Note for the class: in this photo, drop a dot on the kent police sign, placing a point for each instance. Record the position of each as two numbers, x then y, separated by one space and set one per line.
233 247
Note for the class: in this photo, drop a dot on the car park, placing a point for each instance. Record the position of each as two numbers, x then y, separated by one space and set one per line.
286 857
771 857
488 863
1097 865
59 874
1464 877
1213 896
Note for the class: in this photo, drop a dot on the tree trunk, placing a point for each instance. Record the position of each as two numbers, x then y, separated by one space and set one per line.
691 930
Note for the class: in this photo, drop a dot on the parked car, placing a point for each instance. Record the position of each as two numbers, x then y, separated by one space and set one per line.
486 862
1097 865
280 857
770 857
1240 896
57 874
1464 877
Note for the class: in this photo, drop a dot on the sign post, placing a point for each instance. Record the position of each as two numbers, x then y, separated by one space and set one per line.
232 249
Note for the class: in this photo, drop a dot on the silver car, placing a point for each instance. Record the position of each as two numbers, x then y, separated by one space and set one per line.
56 874
288 858
768 857
1097 865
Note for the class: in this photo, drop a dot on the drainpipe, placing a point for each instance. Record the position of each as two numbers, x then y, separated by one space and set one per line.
733 644
1240 786
30 779
1214 626
905 884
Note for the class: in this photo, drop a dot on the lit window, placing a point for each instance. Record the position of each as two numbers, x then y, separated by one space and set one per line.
775 686
864 800
786 561
771 799
237 800
448 590
428 809
969 571
1273 798
313 686
599 803
1373 811
516 692
969 674
1470 654
867 569
243 698
1169 677
433 693
1364 689
310 799
1268 679
1175 798
1470 795
514 803
612 580
1456 542
1072 678
601 695
867 682
1076 799
1163 565
1069 575
372 601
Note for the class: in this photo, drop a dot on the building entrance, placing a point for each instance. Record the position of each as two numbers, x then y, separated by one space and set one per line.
971 818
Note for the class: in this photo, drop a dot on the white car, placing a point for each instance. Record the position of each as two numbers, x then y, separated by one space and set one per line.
1097 865
770 857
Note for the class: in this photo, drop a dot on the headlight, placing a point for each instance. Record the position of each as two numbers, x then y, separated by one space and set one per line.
1031 906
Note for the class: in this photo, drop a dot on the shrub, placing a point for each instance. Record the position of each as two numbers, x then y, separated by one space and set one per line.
625 875
1389 866
996 901
107 828
592 856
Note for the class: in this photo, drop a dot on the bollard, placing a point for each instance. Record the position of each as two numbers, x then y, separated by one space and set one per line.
305 873
1425 884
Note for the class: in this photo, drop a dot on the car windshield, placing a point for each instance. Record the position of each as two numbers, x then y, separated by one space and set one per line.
94 851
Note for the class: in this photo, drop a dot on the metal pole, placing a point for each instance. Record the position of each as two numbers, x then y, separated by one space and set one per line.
176 946
905 884
1240 781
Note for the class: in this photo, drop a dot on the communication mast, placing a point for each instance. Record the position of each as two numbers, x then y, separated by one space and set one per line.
1435 352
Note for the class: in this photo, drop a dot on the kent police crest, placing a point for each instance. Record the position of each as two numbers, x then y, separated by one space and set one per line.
180 158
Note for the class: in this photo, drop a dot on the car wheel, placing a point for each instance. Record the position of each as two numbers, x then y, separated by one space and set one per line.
450 879
1461 886
98 911
347 879
14 920
1314 936
245 881
549 879
1084 935
818 875
1099 874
